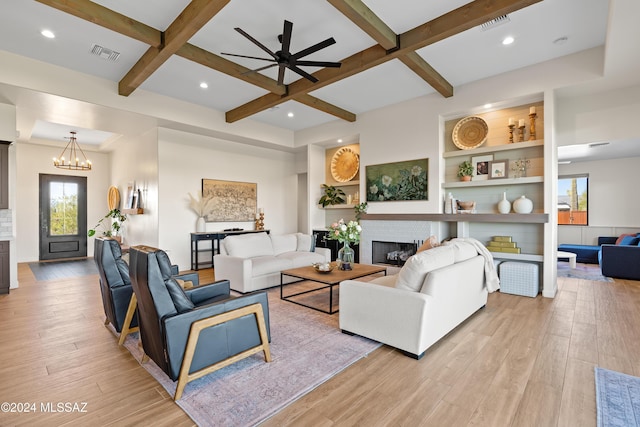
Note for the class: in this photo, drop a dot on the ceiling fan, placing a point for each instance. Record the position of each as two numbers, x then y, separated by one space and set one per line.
284 59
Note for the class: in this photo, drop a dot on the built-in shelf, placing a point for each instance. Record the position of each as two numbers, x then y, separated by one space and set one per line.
138 211
494 182
532 218
344 184
517 257
341 206
495 148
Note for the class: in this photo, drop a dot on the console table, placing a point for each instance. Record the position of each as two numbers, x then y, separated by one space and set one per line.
213 248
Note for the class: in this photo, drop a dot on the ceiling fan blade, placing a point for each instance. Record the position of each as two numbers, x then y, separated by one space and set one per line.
286 35
281 74
259 69
318 64
314 48
302 73
256 42
245 56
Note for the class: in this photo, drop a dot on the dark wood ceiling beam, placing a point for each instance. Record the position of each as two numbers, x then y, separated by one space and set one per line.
419 66
107 18
189 22
318 104
367 21
371 24
230 68
447 25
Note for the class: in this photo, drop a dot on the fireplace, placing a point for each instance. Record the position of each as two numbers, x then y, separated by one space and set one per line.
392 253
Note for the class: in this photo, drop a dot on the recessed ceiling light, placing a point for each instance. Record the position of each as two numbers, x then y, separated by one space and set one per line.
340 141
564 162
204 85
289 114
508 40
48 34
488 105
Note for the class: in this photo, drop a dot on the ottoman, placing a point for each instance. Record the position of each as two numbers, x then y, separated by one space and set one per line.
519 278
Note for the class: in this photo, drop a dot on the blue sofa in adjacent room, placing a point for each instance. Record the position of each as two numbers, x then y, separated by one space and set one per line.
588 254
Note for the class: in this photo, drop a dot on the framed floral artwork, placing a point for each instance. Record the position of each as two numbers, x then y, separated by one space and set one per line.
398 181
498 169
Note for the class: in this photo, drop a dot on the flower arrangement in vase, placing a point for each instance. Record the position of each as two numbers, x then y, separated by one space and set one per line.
201 206
346 233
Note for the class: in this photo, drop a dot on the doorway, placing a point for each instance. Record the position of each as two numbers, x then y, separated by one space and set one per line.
63 217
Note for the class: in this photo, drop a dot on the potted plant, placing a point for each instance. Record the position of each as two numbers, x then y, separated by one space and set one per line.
332 196
116 218
465 170
360 209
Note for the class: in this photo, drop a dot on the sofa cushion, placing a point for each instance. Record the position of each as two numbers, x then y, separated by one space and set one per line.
623 236
284 243
249 245
412 274
306 243
301 259
269 265
180 300
630 240
462 251
430 243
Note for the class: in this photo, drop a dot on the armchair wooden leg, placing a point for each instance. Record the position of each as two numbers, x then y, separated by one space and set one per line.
106 321
126 330
202 324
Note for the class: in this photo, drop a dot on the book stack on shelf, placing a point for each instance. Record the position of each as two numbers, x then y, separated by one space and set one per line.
503 244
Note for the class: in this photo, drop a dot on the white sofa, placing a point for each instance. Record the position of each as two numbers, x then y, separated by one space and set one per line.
434 292
254 261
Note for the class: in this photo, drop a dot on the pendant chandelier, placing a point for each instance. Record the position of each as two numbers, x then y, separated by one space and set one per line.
72 151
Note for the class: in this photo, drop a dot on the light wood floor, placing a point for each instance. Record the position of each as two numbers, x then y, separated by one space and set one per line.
519 362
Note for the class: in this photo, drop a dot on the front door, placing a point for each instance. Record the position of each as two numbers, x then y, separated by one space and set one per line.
63 216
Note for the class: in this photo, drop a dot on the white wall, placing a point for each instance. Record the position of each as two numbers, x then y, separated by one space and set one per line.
31 161
185 159
613 205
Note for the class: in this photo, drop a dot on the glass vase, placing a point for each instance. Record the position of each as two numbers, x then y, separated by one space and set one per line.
345 257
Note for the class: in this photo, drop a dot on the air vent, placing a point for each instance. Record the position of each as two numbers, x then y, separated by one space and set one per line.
495 22
597 144
104 53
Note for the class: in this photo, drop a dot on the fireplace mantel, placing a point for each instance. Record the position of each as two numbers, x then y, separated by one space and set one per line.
532 218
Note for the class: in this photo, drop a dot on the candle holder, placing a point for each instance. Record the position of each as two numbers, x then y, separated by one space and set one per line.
511 133
532 126
521 133
260 221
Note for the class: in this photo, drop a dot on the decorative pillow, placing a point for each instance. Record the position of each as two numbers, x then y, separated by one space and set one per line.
249 245
284 243
306 243
180 300
412 274
622 236
430 243
462 250
629 241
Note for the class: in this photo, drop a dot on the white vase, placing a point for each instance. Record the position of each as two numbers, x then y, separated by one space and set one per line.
504 206
201 227
522 205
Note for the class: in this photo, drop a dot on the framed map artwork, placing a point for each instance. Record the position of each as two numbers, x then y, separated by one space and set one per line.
232 201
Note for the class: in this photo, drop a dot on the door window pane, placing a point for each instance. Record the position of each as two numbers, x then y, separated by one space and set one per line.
63 209
573 200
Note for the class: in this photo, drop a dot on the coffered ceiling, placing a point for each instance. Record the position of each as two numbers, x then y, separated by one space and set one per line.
390 51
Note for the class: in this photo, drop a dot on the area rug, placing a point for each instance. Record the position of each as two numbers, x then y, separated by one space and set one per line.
617 399
54 270
582 271
307 349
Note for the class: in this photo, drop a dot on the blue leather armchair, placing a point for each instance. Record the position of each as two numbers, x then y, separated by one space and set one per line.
115 286
190 333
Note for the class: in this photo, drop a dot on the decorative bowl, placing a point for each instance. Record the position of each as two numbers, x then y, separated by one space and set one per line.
323 267
466 205
345 164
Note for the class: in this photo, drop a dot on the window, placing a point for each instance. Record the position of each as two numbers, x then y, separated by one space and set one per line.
573 200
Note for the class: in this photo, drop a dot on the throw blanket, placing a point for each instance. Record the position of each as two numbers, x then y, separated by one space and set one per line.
492 282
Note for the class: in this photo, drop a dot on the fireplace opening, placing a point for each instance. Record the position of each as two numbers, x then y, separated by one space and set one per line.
392 253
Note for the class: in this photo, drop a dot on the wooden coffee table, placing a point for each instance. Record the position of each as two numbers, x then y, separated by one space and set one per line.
327 280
